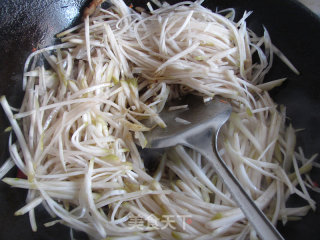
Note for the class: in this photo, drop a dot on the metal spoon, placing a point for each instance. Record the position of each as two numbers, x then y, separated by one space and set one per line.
203 122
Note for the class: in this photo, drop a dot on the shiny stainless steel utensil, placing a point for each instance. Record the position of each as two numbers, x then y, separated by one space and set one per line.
201 126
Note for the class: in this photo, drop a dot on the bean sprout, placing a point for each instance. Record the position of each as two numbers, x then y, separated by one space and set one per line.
81 122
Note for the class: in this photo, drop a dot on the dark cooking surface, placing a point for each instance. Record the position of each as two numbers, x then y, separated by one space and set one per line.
25 25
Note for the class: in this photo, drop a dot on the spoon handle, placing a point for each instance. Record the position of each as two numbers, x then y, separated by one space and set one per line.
259 221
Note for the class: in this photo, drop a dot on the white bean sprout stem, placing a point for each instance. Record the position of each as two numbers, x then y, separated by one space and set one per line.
81 121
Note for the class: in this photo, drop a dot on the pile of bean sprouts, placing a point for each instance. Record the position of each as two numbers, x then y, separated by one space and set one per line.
82 118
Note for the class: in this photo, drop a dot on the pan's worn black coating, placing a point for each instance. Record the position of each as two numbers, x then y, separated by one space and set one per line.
25 25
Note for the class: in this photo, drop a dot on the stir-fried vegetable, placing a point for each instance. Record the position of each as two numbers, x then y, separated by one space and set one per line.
81 119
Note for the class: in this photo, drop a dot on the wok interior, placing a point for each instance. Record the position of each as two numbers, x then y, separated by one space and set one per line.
296 37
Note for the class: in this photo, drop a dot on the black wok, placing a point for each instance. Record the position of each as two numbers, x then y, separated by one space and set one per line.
295 30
